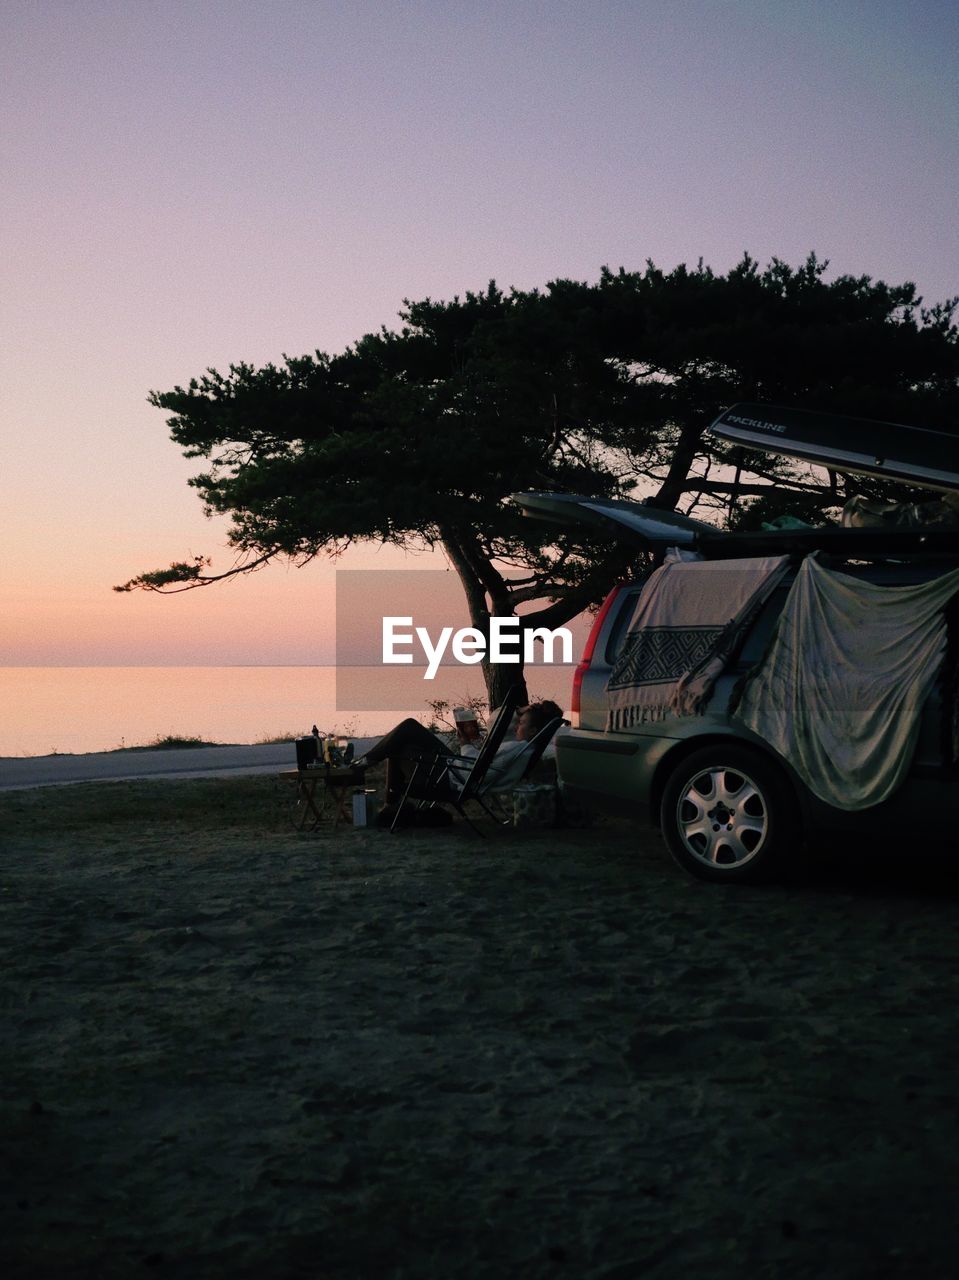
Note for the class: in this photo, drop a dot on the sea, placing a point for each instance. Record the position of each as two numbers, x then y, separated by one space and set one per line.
71 710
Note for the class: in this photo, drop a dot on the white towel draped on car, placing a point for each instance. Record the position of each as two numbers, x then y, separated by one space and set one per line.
840 690
687 620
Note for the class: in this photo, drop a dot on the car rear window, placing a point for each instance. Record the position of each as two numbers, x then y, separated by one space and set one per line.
754 645
751 650
617 633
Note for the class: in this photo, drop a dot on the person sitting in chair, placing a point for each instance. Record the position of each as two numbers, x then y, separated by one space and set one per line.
469 735
410 739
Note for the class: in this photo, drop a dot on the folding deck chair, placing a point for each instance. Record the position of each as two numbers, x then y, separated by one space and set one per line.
429 782
520 769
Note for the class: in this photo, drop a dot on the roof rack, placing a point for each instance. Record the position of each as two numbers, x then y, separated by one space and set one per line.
847 544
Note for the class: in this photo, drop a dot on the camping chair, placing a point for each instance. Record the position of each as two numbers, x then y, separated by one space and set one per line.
429 780
520 769
474 774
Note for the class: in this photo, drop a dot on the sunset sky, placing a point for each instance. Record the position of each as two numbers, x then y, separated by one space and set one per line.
194 183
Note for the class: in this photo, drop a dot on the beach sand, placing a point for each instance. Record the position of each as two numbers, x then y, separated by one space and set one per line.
233 1049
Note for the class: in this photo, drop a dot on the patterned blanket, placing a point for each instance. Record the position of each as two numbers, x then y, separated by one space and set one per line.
689 617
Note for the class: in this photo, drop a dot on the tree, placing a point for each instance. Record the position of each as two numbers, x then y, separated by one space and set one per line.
781 335
415 436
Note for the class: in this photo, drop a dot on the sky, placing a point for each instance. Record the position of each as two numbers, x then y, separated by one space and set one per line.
197 183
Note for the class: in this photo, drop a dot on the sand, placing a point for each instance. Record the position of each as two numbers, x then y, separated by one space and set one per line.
232 1049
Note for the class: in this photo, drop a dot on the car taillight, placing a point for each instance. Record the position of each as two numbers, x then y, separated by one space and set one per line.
587 658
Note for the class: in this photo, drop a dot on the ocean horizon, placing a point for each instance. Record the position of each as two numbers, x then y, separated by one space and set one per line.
65 709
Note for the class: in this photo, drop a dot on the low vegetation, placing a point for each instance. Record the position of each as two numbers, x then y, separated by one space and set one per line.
170 742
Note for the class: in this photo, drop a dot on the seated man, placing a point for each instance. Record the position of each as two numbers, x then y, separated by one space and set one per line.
410 739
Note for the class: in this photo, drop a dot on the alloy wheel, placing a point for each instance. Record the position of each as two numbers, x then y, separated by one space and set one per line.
722 817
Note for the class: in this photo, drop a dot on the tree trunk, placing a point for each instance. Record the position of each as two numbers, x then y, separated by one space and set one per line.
499 677
674 485
480 580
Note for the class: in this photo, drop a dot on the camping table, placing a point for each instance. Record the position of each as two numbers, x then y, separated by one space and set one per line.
336 783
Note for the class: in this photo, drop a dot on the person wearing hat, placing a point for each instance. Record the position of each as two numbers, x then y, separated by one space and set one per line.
469 736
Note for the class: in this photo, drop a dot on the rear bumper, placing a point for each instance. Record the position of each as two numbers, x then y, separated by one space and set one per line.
613 770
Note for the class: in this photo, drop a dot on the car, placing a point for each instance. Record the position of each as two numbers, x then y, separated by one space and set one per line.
735 788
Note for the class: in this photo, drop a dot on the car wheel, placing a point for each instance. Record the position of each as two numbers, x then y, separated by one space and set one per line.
728 815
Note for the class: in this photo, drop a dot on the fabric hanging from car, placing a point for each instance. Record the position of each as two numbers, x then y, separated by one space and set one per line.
687 621
840 690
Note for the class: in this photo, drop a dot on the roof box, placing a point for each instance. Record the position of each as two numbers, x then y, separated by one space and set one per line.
913 455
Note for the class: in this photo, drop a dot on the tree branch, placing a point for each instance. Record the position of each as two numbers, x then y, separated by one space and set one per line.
190 575
750 490
615 565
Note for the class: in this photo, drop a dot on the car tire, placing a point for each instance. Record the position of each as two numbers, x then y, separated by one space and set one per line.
728 815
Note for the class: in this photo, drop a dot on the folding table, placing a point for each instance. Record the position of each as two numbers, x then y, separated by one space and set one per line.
338 784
